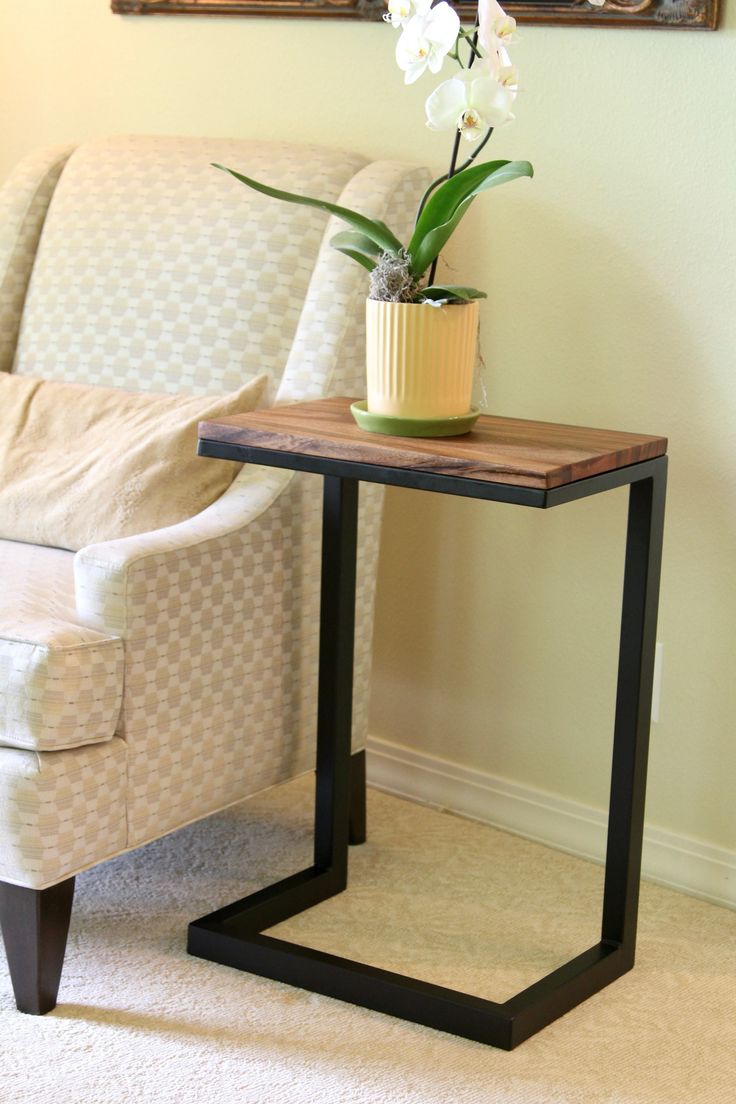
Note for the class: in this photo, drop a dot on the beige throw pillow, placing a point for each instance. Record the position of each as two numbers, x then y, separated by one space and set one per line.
81 464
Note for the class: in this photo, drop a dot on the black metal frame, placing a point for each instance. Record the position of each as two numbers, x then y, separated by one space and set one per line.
233 935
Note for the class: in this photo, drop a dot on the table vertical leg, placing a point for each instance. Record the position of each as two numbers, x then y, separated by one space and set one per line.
223 936
358 811
633 710
335 695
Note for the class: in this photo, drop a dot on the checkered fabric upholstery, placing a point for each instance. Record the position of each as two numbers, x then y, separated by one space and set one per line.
156 272
61 811
61 683
23 204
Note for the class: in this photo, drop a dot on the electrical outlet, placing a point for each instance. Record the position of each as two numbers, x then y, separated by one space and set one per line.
657 683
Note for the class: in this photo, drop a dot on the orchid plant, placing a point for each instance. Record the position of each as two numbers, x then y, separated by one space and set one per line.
475 100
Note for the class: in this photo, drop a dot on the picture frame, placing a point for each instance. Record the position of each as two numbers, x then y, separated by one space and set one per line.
692 14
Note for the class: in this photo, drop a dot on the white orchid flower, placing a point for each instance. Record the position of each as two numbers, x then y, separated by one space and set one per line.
471 102
508 76
504 30
426 40
494 23
499 66
401 11
496 31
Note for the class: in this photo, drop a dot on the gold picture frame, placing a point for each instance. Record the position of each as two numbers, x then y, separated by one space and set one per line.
693 14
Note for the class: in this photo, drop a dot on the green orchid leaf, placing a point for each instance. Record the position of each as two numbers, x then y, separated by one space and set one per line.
452 291
447 205
357 246
444 201
434 240
366 262
376 231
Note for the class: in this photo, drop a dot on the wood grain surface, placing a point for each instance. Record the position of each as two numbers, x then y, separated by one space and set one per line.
499 450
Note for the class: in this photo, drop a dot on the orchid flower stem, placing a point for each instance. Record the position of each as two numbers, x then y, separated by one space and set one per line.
473 44
456 144
435 184
455 151
441 179
472 41
477 150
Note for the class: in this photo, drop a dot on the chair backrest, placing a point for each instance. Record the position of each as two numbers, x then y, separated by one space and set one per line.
154 271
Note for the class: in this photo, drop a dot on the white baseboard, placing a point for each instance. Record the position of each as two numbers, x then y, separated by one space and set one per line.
681 863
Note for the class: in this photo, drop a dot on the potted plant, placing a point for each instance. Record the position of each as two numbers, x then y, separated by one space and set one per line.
421 336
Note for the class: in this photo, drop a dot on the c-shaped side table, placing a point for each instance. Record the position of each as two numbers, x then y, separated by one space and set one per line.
528 463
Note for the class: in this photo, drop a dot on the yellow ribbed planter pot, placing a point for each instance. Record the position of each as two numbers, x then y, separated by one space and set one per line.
420 359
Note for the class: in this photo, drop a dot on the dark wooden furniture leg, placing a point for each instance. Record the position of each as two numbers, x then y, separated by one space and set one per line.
357 824
35 923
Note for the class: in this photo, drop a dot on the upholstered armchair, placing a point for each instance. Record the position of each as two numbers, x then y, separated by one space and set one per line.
151 680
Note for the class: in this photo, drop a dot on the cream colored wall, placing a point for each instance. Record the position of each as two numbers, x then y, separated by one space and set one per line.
611 302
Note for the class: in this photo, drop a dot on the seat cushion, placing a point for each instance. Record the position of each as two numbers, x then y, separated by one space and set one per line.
61 683
61 811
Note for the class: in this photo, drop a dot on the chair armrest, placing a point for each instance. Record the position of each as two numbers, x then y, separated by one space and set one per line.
220 618
102 572
210 615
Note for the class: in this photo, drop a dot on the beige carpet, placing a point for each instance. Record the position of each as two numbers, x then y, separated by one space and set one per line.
431 894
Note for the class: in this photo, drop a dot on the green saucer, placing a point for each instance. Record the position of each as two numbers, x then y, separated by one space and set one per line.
413 427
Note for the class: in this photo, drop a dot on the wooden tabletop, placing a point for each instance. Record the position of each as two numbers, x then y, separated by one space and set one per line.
499 450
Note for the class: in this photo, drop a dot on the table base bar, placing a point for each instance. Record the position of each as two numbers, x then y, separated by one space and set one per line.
232 937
